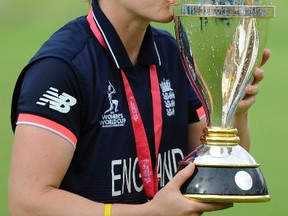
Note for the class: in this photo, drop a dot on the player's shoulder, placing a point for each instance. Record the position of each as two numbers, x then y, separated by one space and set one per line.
68 41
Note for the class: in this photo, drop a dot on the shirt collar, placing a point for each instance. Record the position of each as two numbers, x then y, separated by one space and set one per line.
148 52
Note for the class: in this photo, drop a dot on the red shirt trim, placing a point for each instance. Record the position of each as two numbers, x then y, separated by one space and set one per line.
42 122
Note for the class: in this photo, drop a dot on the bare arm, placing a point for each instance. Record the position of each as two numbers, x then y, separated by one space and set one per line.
195 131
40 159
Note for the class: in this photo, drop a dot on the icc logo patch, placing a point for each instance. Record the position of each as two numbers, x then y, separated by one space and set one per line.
112 117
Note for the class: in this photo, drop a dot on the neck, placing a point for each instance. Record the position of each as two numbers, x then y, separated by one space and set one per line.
130 27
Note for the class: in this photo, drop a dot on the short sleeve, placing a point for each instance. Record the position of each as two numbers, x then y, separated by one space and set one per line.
50 98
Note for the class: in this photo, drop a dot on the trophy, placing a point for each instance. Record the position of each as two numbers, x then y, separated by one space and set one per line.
221 42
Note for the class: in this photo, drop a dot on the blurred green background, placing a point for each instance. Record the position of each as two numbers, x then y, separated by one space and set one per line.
25 25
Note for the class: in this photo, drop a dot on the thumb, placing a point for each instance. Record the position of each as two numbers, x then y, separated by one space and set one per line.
182 176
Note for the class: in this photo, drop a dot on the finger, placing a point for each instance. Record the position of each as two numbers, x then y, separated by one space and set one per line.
220 206
247 102
258 75
251 90
210 207
265 56
182 176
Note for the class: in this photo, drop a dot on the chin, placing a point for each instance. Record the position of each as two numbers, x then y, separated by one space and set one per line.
164 19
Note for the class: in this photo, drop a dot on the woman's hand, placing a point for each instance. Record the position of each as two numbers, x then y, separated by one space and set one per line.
169 200
252 90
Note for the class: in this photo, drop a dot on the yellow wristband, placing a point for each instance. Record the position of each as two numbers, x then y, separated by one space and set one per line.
107 209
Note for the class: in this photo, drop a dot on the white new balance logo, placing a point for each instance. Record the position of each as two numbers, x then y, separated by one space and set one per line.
61 103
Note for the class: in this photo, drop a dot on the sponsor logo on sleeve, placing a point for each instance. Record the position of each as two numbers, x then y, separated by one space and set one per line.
61 103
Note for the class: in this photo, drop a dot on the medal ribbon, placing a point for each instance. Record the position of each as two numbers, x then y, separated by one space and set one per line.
149 176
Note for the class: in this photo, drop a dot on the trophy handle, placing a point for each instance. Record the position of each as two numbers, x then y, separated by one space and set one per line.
239 64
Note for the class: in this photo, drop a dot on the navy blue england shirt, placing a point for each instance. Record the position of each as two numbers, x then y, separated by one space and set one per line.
73 87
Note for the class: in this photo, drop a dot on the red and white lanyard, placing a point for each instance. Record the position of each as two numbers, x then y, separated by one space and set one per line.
149 176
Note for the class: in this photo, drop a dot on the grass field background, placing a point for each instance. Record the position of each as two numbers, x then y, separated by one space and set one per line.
25 25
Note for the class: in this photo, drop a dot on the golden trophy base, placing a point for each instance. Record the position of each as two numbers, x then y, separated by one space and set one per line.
228 198
225 172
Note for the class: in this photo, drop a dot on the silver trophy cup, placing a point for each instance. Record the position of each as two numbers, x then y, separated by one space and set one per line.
221 42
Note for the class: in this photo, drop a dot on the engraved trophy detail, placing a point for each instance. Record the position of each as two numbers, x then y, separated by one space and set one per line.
221 42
